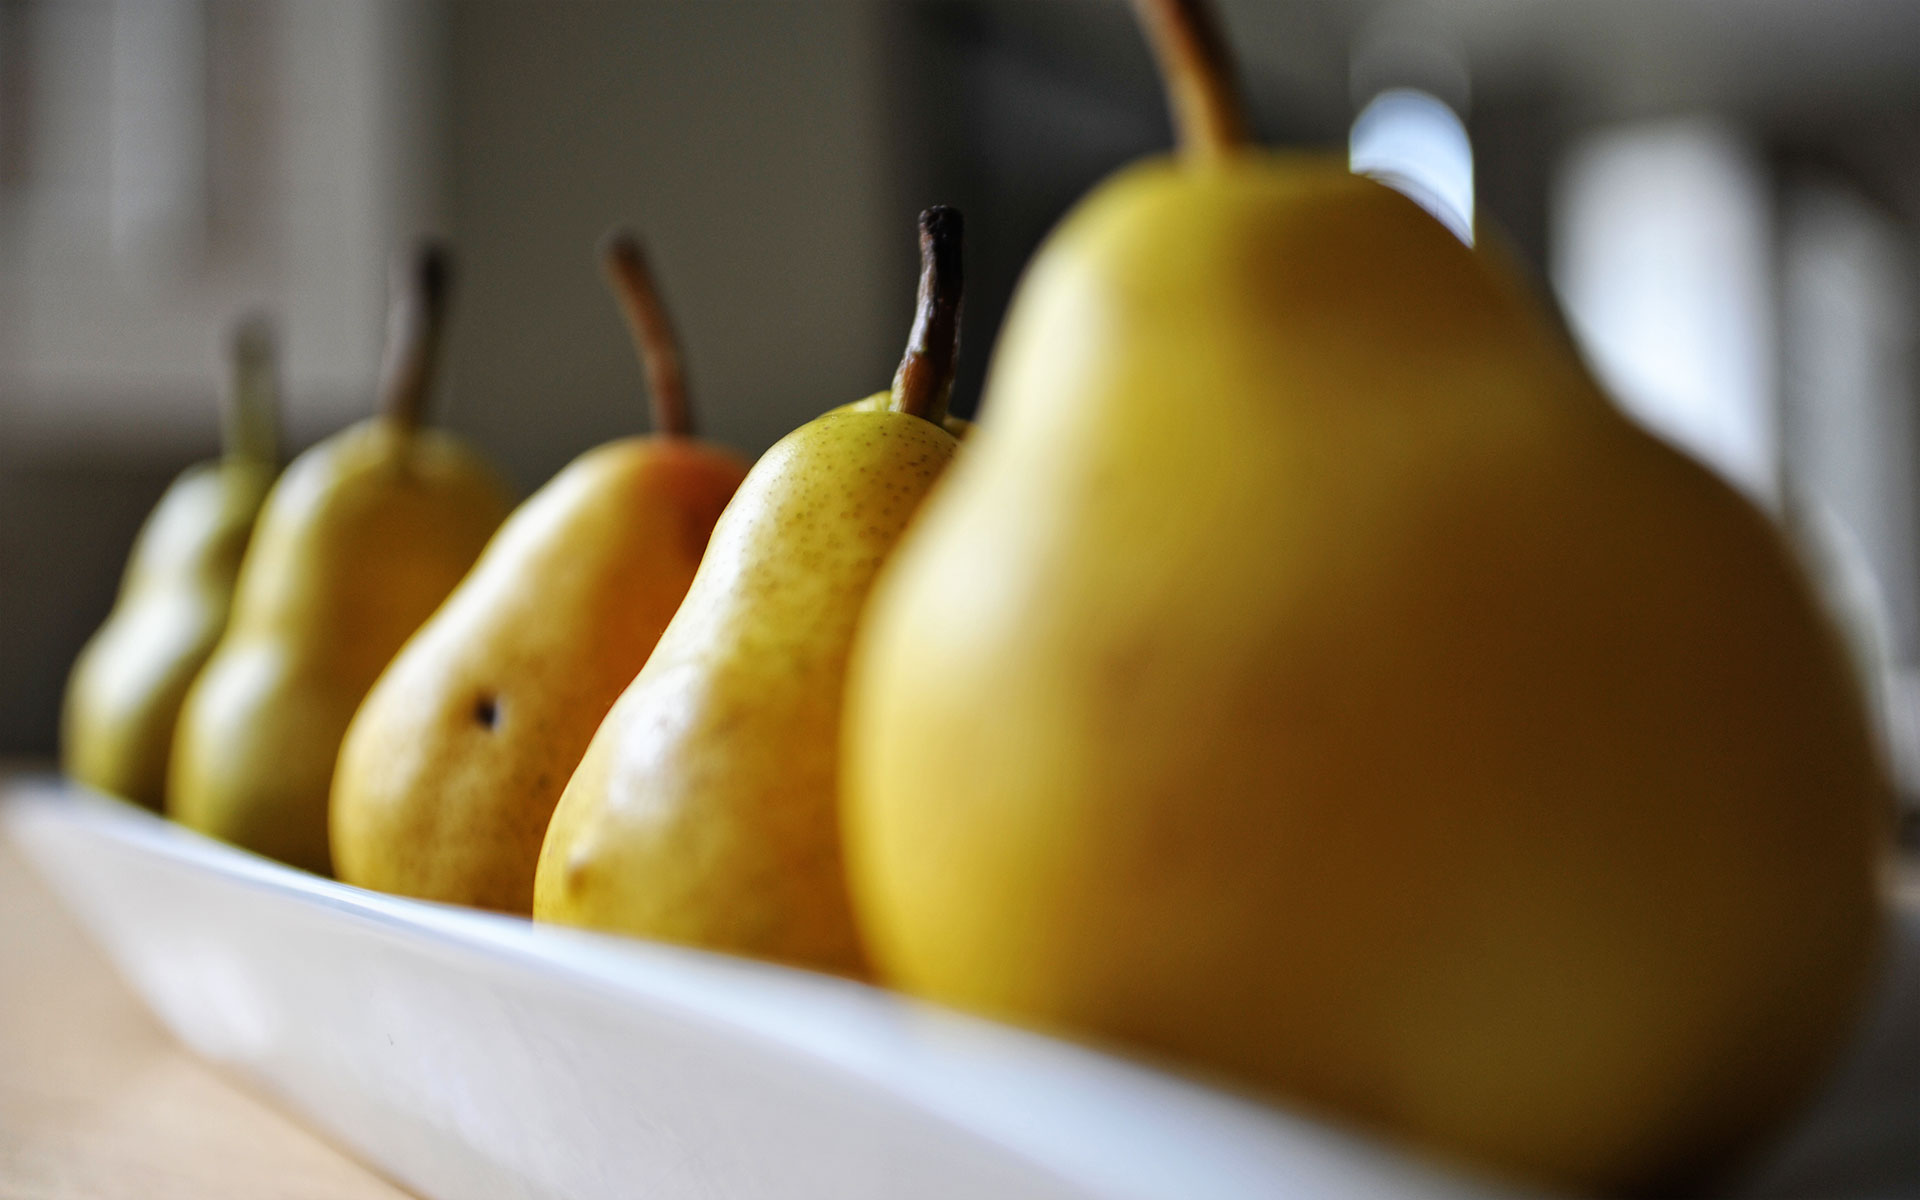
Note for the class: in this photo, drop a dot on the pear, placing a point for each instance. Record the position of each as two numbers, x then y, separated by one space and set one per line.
451 768
359 541
1309 676
706 809
125 692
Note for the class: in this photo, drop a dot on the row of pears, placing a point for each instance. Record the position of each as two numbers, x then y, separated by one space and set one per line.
1305 675
405 687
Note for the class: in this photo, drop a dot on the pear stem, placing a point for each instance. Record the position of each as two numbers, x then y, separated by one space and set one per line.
653 336
416 319
924 383
250 409
1209 117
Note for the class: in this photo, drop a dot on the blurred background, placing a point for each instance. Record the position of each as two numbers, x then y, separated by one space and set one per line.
1723 194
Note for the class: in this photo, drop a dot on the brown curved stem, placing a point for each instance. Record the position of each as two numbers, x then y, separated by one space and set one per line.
250 410
1209 119
924 383
653 336
416 319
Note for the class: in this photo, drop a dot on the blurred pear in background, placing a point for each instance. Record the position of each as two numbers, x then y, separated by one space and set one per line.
129 681
360 540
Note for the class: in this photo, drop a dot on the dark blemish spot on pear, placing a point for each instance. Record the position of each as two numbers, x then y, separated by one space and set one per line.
579 866
486 710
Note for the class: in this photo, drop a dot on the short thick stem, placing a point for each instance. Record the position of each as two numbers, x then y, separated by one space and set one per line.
1208 116
653 335
924 383
250 410
416 319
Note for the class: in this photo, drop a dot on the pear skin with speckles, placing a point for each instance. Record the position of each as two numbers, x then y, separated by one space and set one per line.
706 808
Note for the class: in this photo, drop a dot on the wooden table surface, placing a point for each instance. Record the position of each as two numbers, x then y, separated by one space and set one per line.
97 1102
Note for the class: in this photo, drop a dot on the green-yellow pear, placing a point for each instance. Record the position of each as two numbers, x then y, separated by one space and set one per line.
1308 675
449 773
125 692
360 540
706 809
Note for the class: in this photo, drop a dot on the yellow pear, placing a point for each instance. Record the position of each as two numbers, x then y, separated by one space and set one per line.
1309 676
450 771
125 692
360 540
706 809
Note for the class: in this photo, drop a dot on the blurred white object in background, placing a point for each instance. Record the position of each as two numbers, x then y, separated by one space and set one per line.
1412 142
1408 77
1851 435
1662 256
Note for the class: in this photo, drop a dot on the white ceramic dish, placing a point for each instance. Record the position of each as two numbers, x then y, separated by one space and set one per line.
466 1054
